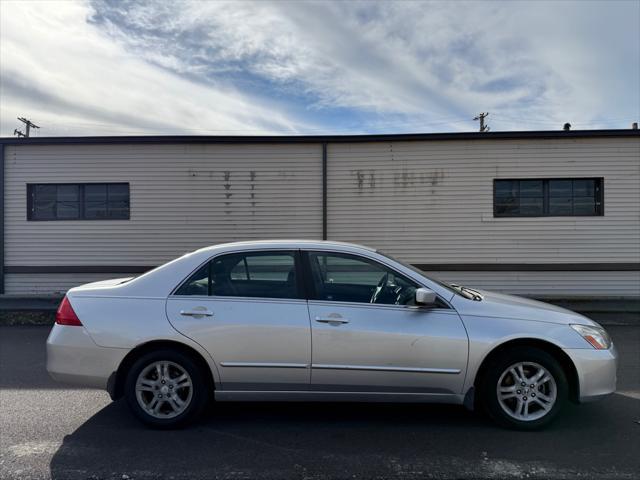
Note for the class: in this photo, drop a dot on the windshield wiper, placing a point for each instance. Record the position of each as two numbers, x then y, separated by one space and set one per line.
474 295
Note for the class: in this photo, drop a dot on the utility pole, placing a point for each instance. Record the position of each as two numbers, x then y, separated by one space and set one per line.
481 117
29 124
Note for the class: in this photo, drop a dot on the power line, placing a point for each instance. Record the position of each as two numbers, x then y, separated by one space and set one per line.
388 124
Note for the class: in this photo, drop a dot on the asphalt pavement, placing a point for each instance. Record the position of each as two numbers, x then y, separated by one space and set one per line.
48 430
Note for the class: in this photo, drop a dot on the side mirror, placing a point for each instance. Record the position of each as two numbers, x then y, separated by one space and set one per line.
424 296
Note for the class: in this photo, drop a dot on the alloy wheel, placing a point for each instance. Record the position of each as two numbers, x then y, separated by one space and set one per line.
526 391
164 389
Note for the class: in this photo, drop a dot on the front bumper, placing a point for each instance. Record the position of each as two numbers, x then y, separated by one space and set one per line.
596 372
73 357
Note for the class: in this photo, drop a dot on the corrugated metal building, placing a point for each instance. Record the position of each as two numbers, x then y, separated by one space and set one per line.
546 214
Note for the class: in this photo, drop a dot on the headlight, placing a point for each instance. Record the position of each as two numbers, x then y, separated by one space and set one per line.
596 336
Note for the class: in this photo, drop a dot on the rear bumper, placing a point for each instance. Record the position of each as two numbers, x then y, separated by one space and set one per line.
73 357
596 372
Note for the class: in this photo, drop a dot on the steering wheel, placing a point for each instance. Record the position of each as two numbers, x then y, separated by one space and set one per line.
379 288
405 295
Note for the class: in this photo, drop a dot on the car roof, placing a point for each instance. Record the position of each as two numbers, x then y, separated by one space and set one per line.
266 244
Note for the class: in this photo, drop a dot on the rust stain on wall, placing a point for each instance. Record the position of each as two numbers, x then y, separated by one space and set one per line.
227 186
411 178
252 186
365 179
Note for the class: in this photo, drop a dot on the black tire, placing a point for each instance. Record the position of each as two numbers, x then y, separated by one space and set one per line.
489 385
197 402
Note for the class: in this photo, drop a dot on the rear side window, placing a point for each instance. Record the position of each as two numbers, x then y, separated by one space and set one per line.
198 283
251 274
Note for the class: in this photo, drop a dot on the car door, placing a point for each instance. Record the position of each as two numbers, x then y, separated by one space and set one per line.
247 309
368 334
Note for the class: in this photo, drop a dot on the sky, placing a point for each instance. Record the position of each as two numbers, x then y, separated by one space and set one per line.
107 67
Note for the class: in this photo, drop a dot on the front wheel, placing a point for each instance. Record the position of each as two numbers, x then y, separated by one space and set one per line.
166 389
524 388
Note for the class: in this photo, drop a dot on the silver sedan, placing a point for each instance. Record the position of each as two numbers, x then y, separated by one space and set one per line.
322 321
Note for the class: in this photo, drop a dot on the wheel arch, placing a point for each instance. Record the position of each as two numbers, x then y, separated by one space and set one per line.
563 359
115 385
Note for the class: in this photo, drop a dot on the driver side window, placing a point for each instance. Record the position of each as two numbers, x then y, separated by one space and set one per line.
348 278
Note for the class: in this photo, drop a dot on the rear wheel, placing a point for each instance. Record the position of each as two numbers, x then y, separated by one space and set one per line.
166 389
524 388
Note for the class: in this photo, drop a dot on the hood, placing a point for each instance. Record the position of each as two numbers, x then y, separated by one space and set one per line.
517 308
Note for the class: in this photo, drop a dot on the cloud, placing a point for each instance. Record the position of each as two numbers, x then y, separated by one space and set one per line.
316 67
61 70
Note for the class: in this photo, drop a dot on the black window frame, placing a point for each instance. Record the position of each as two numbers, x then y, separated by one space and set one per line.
31 188
301 288
598 197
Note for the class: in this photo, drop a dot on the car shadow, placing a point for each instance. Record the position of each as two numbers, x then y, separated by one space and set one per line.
321 440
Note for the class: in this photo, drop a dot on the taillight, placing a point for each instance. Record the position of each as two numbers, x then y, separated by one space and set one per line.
65 314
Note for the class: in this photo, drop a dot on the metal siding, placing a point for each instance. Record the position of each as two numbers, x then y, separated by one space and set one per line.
48 283
432 202
427 202
183 197
550 284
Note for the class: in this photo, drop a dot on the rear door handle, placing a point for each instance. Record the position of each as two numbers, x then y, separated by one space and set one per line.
337 320
196 313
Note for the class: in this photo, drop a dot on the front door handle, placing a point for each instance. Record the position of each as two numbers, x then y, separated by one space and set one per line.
332 320
196 313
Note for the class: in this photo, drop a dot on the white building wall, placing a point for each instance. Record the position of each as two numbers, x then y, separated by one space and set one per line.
183 197
427 202
432 203
51 283
567 285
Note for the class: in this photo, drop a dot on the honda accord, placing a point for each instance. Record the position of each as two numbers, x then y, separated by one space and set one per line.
322 321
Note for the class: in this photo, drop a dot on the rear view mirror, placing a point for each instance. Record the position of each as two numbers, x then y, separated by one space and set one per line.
424 296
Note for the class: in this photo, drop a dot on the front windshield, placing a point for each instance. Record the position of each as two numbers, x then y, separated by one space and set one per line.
452 288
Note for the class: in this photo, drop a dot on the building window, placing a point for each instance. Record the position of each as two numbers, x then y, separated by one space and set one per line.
78 201
556 197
